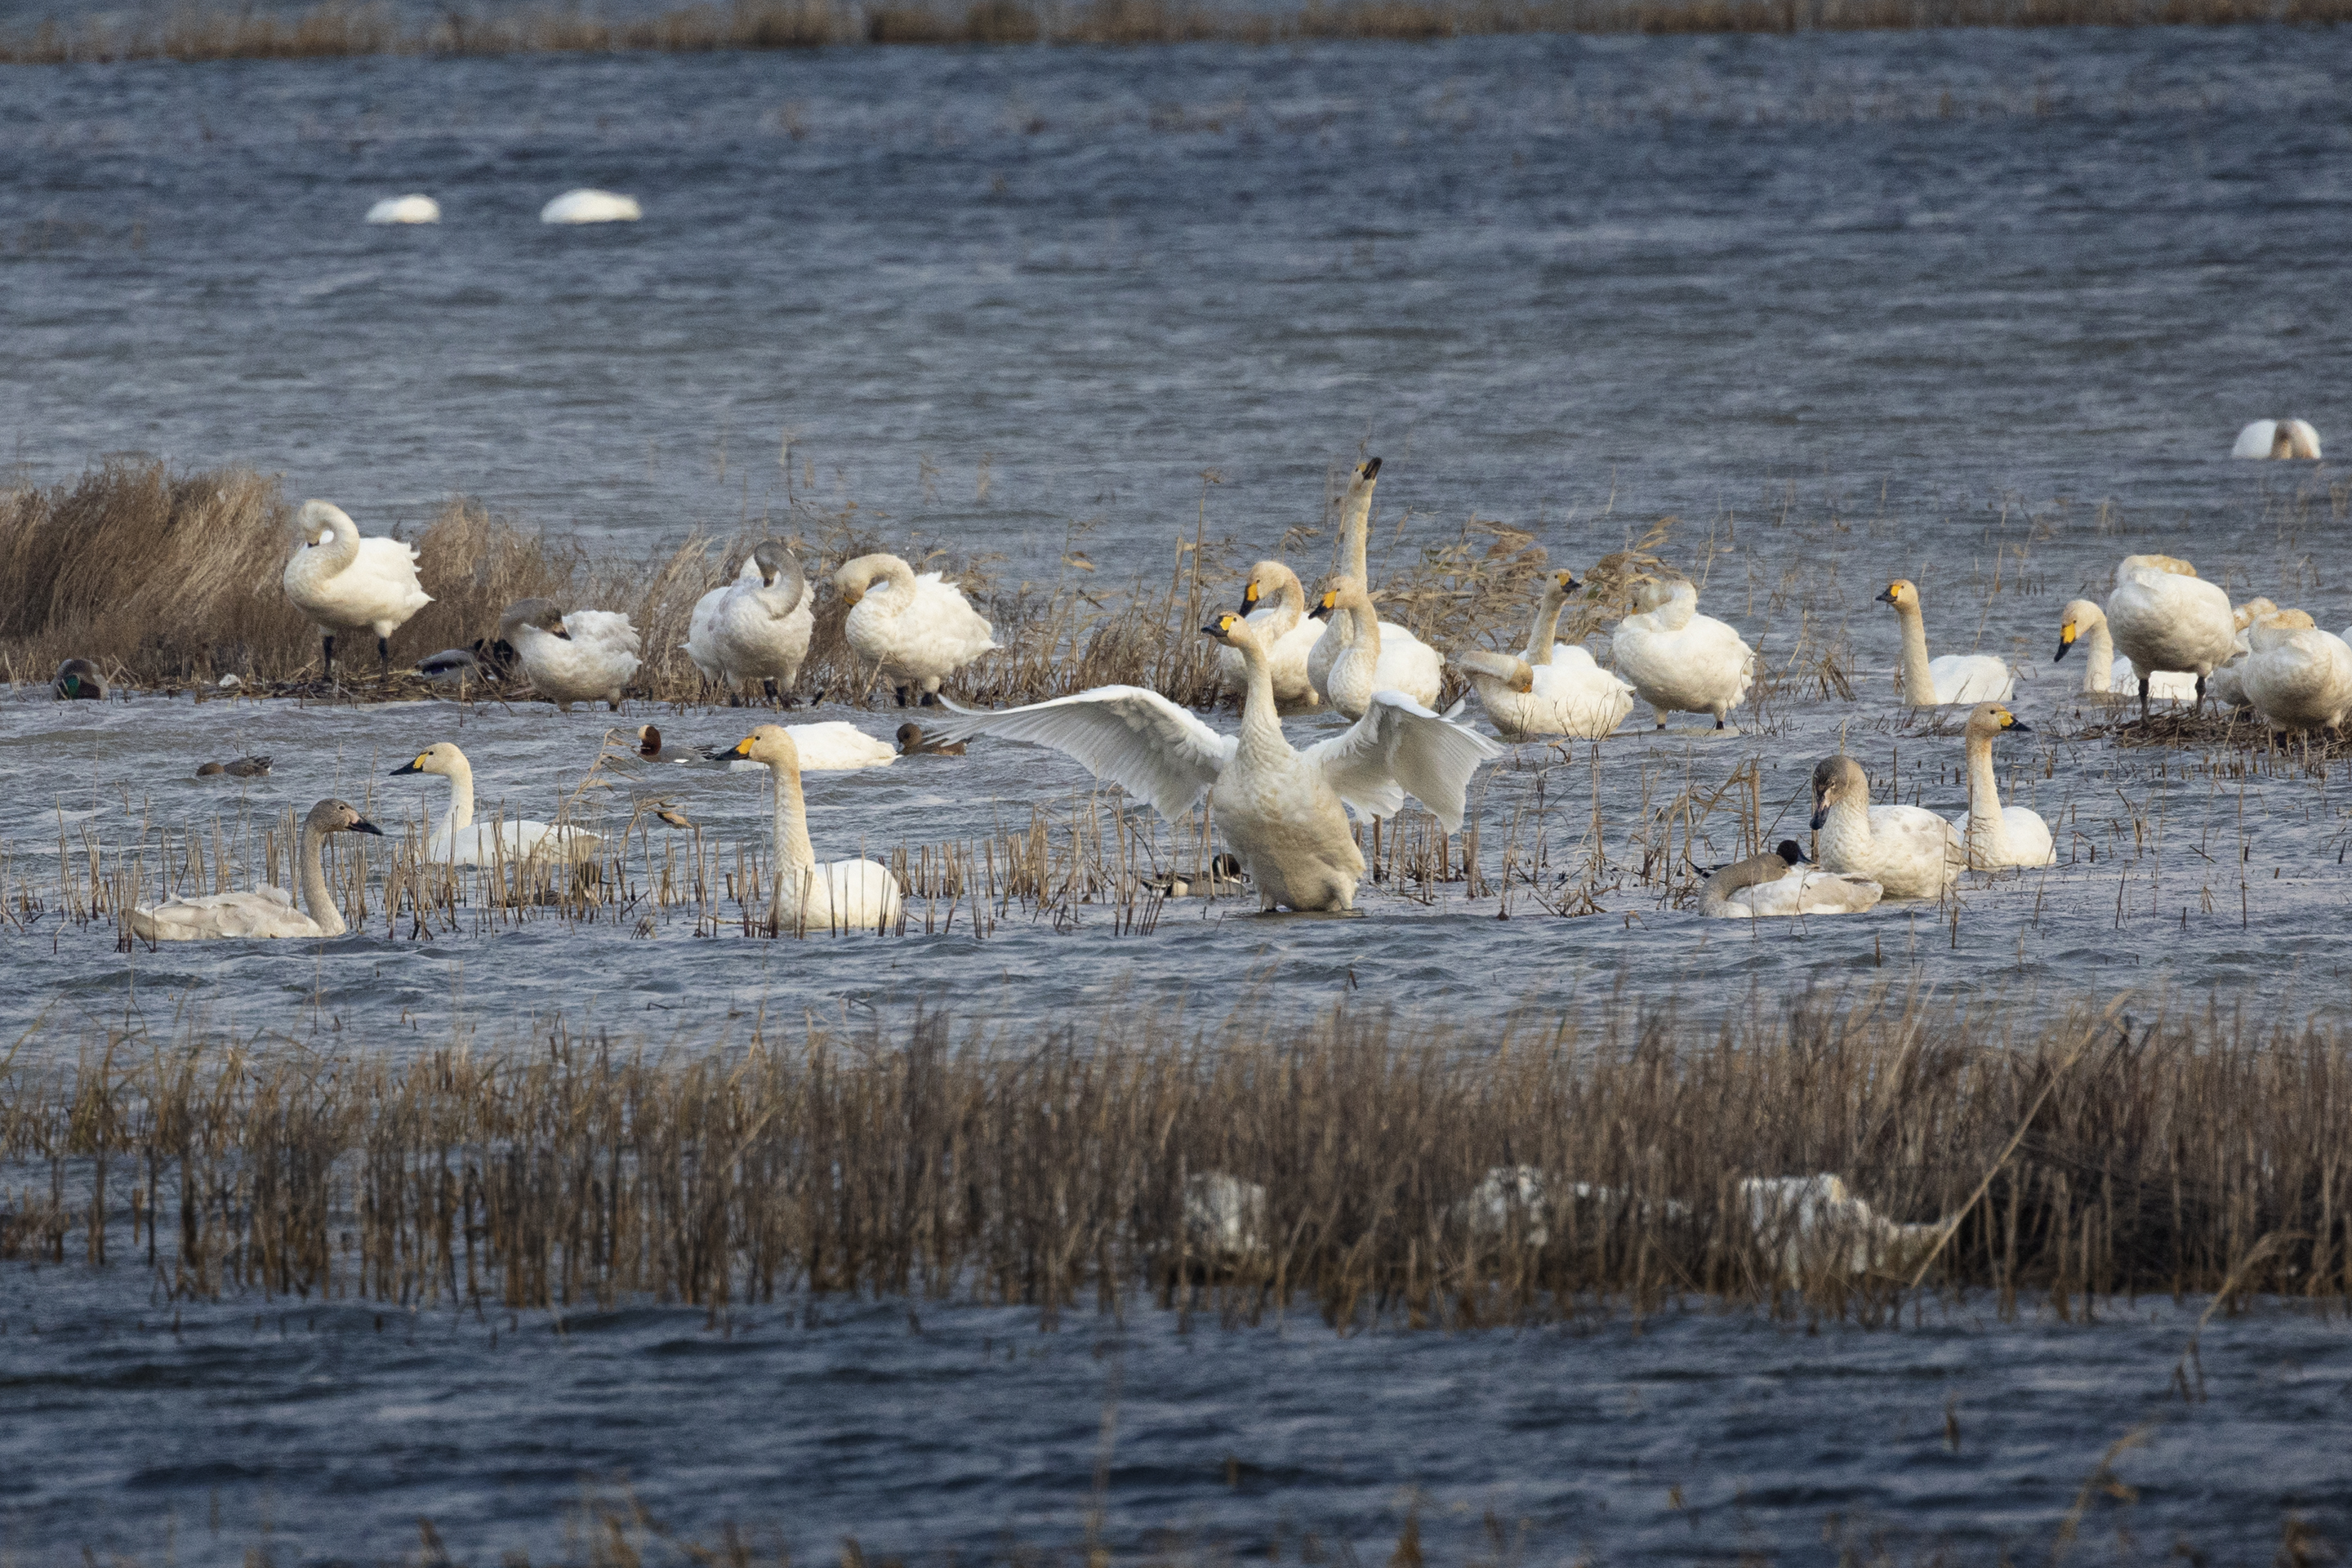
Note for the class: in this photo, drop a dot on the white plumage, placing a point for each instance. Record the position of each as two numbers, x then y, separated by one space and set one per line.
1993 835
2164 618
2104 676
267 912
1369 661
1956 677
591 207
2297 676
458 841
405 209
1341 631
917 630
756 628
1776 884
582 657
1551 688
702 644
1678 661
1289 636
808 896
2277 438
346 584
1907 850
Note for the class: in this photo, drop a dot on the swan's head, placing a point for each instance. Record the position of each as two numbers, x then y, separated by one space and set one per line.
2077 618
1230 630
532 614
1901 592
2276 628
771 744
322 521
1363 475
1509 668
1656 593
334 816
440 757
648 740
1265 577
854 577
777 564
1990 718
1559 586
1836 781
1339 594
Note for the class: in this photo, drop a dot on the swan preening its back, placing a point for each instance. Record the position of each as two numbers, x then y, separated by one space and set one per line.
346 584
1956 677
917 630
582 657
755 629
1774 885
1678 661
1285 812
457 840
2277 438
269 912
808 895
1551 688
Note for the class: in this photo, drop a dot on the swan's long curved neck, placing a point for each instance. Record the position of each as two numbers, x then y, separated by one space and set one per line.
2099 674
461 797
1261 728
794 853
1546 627
1363 626
1355 534
1987 832
1289 606
316 900
1918 685
901 578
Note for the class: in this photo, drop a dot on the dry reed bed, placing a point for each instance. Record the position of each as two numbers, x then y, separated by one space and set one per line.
336 30
2075 1163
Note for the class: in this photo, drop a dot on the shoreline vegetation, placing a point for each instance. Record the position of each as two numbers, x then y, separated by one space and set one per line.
334 29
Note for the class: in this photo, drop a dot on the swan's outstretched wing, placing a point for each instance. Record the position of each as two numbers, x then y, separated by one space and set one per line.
1136 739
1400 748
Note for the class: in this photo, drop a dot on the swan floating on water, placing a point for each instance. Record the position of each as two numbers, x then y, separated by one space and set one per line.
78 680
1774 884
1678 661
1907 850
1282 810
916 631
2297 676
1956 677
411 208
2277 438
2102 675
1997 835
839 896
2164 618
457 840
1287 631
756 628
1551 688
267 912
253 767
1368 660
578 657
346 584
591 207
1339 632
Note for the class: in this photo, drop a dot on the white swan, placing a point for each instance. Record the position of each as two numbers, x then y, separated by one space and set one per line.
1288 633
575 657
1355 536
1679 660
1997 835
2165 618
917 630
2297 676
2277 438
267 912
2227 685
1281 810
1907 850
1940 682
1774 885
838 896
591 207
759 628
1369 661
2101 677
346 584
1553 688
405 209
457 840
701 642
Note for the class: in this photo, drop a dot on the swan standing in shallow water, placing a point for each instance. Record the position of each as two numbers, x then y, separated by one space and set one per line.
1369 661
1997 835
917 631
457 840
591 207
346 584
1907 850
1678 661
2164 618
269 912
839 896
1554 687
757 628
2102 675
1773 884
1355 540
1956 677
1287 630
578 657
2297 676
2277 438
1285 812
410 209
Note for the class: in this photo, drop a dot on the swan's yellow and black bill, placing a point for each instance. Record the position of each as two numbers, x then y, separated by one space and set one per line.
1250 596
2065 641
1324 607
1893 594
743 746
415 766
1221 626
2009 721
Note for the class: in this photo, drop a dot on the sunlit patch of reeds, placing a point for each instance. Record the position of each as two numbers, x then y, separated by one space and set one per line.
2057 1166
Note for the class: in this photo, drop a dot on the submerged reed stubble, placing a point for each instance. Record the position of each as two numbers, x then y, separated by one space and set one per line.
2071 1164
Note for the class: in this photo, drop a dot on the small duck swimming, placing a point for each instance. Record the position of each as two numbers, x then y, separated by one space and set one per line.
650 749
911 744
77 679
242 768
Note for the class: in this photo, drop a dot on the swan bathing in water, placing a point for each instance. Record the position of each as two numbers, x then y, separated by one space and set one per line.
267 912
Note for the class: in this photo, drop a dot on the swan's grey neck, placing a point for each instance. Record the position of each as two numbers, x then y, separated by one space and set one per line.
1546 627
1748 873
317 901
1918 687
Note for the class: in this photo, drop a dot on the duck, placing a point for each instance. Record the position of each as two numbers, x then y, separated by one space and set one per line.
1284 812
1996 836
2277 438
1678 661
266 911
253 767
587 206
838 896
1223 880
911 744
78 680
651 749
1355 537
1552 687
576 657
346 584
1369 661
410 209
1907 850
917 631
2101 678
2297 676
1956 677
457 840
490 659
1762 886
757 628
2164 617
1288 632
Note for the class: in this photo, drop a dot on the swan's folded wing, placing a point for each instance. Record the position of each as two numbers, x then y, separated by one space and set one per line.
1400 748
1136 739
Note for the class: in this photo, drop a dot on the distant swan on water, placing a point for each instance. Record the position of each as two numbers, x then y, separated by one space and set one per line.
405 209
2277 438
591 207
